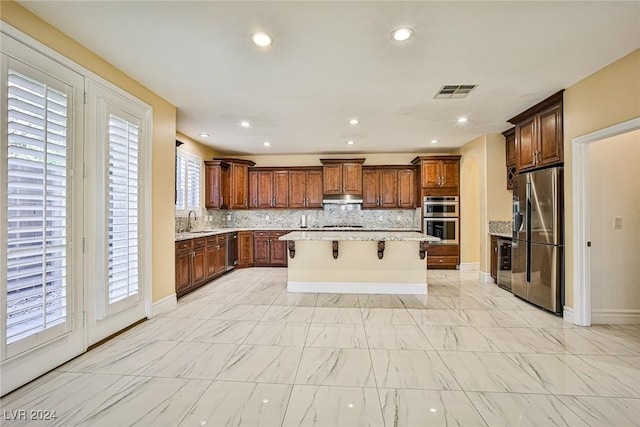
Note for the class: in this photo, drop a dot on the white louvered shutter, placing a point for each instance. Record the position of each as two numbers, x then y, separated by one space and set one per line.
38 212
188 182
123 207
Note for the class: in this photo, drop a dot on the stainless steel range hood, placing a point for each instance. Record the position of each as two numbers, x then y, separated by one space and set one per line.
342 199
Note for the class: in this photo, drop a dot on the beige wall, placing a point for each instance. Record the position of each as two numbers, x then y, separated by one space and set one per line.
607 97
614 190
499 199
164 132
202 151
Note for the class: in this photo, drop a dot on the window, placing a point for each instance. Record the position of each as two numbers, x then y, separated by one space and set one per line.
187 181
37 205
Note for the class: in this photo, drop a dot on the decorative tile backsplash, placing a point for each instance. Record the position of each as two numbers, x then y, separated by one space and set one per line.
500 227
315 218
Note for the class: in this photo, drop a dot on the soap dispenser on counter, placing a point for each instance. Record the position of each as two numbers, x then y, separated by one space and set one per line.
303 221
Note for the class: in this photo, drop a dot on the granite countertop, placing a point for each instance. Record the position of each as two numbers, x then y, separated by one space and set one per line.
505 235
216 231
349 235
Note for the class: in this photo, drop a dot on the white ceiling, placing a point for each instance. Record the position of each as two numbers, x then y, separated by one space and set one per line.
332 61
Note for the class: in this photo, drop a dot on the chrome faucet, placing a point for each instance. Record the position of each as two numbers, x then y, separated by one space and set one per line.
195 218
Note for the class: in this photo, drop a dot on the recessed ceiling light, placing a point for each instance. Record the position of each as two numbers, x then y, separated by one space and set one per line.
402 34
353 122
434 141
261 39
245 124
462 119
204 135
267 144
350 142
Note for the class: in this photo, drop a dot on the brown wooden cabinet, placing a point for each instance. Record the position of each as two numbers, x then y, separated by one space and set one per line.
440 174
342 176
227 183
245 249
539 135
407 194
443 256
510 155
216 255
494 257
269 188
268 251
216 180
305 188
198 261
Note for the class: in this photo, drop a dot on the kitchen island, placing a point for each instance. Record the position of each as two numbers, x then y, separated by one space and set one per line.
357 262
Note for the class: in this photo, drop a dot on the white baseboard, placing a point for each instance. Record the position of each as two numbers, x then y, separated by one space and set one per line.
358 288
168 303
485 277
568 315
615 316
469 266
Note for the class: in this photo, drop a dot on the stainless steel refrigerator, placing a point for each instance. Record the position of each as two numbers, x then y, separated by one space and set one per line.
537 254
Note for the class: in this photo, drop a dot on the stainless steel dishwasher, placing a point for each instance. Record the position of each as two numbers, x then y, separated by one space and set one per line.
232 250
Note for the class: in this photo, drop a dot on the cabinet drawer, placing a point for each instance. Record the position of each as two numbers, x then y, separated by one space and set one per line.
276 234
260 234
199 243
183 245
212 241
443 250
444 261
222 238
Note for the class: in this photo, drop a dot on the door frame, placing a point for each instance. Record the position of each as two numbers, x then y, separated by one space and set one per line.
581 313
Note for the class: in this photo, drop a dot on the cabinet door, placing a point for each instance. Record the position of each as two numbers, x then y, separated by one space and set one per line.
221 256
253 189
245 248
526 146
265 189
430 174
314 189
213 185
183 268
199 272
494 257
281 189
450 175
406 189
211 262
550 137
352 178
261 247
332 179
297 189
278 249
388 189
370 188
239 186
510 147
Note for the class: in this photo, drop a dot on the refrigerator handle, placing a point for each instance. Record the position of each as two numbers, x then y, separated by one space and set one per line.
528 252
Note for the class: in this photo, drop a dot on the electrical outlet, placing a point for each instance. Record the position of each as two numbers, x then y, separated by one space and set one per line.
266 218
399 218
617 222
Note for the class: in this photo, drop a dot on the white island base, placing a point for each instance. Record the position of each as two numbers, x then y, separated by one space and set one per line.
358 268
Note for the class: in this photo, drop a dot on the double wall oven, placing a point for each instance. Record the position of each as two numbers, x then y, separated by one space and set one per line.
441 218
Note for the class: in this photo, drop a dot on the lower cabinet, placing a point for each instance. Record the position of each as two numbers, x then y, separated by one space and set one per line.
198 261
494 258
268 251
443 256
245 249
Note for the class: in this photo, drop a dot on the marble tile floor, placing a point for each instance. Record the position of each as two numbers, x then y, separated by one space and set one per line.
241 351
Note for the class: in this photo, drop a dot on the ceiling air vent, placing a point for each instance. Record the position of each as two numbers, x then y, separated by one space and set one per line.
454 91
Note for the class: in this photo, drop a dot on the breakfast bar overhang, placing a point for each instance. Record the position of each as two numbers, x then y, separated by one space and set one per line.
357 262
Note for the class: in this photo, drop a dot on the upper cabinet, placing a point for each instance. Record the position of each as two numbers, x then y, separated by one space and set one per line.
439 175
539 135
510 151
268 188
216 179
305 188
388 187
342 176
227 183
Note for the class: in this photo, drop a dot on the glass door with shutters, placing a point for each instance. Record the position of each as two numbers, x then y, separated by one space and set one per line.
41 212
